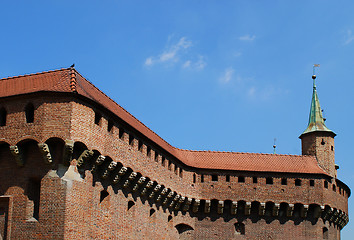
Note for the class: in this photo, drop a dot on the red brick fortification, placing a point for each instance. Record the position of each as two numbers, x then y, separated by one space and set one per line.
74 165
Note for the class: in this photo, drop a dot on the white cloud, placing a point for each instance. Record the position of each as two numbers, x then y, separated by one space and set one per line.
251 91
349 37
247 38
178 52
227 75
237 54
171 54
149 61
187 64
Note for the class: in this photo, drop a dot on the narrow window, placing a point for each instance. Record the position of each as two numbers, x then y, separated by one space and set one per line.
98 117
194 178
332 148
180 172
152 211
121 133
227 178
29 110
214 178
312 183
323 142
241 179
240 228
284 181
34 191
130 204
325 184
103 195
110 125
3 115
202 178
131 139
140 145
169 164
255 180
269 180
334 187
163 160
297 182
325 233
148 151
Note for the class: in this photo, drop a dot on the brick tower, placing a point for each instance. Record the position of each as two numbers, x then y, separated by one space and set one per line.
317 140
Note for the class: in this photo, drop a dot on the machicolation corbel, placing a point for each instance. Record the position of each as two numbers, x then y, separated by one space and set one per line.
18 155
44 149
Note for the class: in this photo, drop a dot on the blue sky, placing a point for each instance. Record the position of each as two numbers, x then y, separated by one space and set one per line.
204 75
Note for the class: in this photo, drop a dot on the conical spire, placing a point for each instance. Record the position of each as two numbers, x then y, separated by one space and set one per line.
316 120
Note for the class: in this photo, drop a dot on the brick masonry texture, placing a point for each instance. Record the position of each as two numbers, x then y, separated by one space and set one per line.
107 180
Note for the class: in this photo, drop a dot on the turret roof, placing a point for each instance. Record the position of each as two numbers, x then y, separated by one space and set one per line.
316 120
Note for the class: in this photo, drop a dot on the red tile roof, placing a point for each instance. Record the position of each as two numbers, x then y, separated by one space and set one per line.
69 80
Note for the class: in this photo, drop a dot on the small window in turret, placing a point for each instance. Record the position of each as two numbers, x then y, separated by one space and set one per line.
325 184
98 117
202 178
312 183
255 180
110 125
297 182
241 179
334 187
332 148
284 181
269 180
3 115
323 142
227 178
29 110
214 178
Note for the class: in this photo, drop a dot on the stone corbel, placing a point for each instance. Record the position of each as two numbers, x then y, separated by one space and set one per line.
130 179
290 210
85 155
147 187
139 183
304 210
248 208
275 211
109 169
196 204
180 202
155 191
15 151
261 211
207 206
187 204
162 195
68 151
44 149
233 208
121 173
220 207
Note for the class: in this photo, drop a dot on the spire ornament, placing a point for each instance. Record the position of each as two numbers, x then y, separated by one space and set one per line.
316 120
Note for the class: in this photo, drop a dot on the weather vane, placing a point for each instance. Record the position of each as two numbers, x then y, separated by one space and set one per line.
315 66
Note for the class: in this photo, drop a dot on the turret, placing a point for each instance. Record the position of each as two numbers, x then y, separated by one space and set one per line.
317 140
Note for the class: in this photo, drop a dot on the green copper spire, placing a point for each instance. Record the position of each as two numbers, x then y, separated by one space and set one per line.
316 120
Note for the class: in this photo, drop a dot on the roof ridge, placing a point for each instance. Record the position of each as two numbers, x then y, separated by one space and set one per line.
212 151
123 109
33 74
